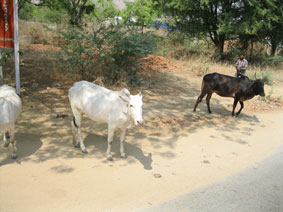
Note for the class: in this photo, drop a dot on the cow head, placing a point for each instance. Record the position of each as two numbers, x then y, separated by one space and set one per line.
259 87
134 104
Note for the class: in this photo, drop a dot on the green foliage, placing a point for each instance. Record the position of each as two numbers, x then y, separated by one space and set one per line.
76 52
51 16
105 11
43 14
141 13
111 51
76 9
248 21
5 55
27 12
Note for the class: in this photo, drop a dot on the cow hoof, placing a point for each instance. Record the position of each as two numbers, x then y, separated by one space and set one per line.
123 155
85 151
109 157
14 156
6 144
77 145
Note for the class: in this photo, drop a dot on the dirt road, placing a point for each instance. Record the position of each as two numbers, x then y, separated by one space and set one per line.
258 188
174 153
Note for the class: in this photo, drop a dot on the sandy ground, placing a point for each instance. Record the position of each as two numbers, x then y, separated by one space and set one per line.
258 188
176 152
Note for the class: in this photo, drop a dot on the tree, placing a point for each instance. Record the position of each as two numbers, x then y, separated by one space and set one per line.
221 20
274 23
75 8
105 10
213 18
141 13
259 21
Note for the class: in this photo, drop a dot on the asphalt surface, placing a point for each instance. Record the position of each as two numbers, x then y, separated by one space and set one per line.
256 189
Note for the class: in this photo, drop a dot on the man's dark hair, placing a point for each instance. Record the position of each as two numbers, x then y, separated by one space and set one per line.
243 53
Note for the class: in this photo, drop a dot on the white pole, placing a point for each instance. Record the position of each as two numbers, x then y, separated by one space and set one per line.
1 71
16 48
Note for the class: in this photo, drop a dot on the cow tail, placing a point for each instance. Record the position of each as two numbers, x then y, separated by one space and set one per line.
74 121
202 85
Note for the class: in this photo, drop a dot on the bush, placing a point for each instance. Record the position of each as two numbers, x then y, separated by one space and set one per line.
266 77
51 16
179 45
31 12
110 51
27 12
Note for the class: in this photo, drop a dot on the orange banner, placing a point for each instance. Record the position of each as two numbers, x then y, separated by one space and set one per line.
6 24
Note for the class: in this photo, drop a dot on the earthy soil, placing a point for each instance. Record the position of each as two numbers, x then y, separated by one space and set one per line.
175 152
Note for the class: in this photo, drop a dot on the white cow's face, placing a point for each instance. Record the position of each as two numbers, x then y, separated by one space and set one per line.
135 105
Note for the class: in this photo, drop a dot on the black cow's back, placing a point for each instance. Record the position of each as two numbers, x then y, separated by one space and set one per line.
225 85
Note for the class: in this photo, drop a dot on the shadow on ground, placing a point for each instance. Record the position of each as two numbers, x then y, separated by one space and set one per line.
44 130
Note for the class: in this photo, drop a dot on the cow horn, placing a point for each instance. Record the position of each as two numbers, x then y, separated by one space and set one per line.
255 75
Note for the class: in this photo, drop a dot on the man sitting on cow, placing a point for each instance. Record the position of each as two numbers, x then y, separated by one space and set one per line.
241 66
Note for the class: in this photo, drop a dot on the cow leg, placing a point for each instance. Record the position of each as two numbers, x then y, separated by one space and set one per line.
6 139
242 106
207 101
111 131
199 99
234 106
75 133
13 142
81 141
77 120
122 138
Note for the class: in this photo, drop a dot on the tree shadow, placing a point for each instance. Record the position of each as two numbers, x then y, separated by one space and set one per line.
168 116
27 145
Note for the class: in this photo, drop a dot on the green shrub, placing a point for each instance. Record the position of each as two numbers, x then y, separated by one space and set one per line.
43 14
111 51
27 12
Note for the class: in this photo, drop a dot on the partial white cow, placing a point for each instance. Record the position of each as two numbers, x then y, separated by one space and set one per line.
10 109
119 109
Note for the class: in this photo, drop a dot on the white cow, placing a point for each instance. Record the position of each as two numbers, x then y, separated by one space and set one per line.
119 109
10 109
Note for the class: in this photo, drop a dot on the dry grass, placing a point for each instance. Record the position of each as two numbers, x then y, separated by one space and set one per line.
31 32
37 66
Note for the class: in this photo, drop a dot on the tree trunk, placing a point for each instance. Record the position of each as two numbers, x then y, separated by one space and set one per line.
273 47
252 48
220 47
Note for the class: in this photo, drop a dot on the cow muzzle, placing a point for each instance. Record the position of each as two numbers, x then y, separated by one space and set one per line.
139 122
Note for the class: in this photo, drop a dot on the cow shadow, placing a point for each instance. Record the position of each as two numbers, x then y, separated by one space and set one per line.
97 146
27 145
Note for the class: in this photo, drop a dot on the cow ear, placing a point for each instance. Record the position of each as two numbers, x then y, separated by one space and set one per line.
140 94
125 95
125 99
126 92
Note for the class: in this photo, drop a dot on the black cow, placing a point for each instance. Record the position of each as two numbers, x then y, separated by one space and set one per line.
241 89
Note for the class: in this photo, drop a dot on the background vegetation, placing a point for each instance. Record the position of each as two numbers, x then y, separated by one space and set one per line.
99 40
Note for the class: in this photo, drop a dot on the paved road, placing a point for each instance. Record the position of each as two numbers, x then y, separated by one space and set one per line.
256 189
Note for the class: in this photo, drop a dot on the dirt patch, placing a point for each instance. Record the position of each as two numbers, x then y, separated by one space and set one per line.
158 63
